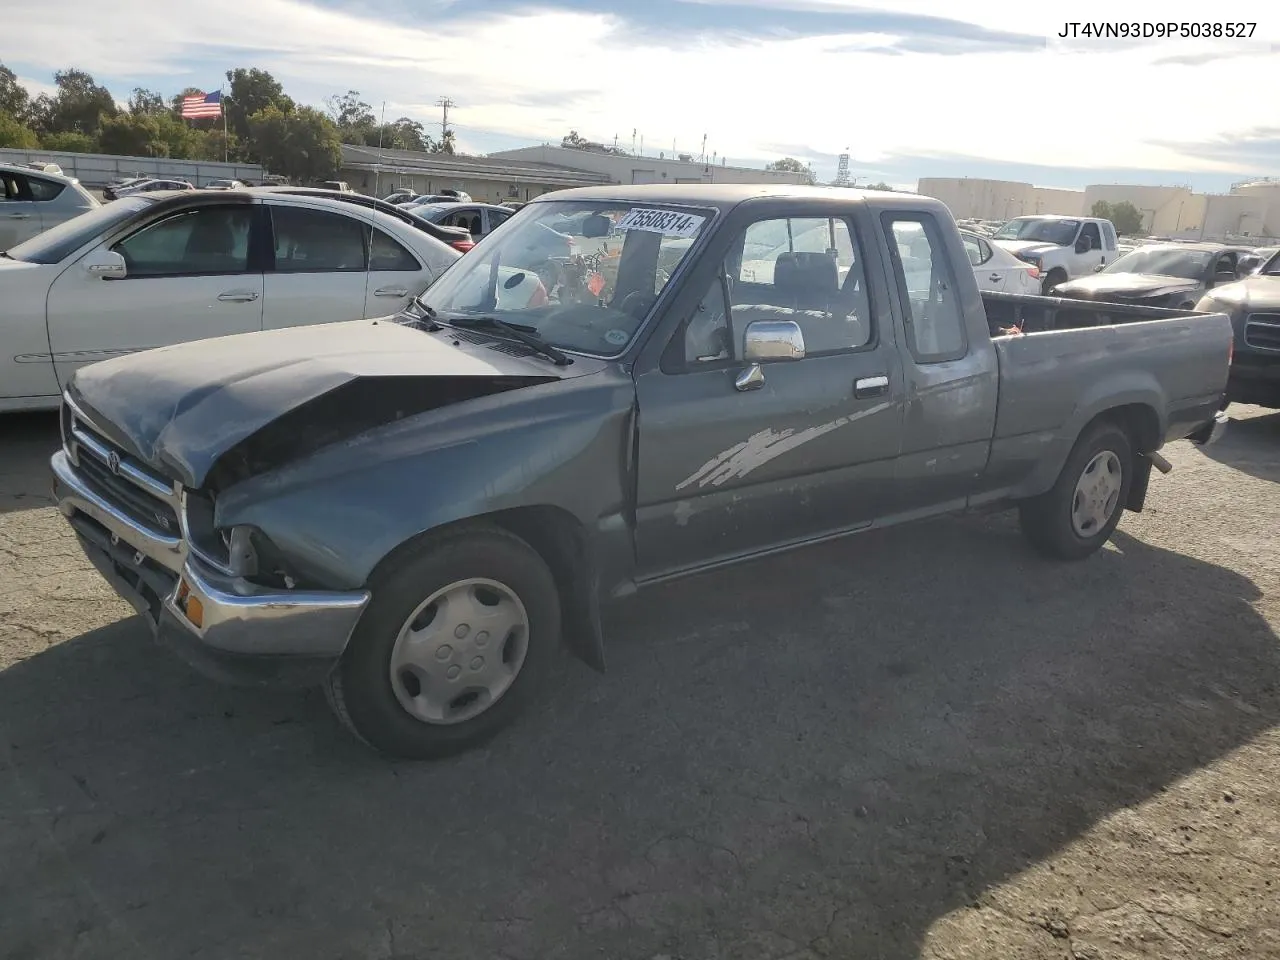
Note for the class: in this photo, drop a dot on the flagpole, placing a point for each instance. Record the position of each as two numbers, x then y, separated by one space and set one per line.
226 141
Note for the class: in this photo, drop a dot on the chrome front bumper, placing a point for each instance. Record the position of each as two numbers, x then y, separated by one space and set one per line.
242 632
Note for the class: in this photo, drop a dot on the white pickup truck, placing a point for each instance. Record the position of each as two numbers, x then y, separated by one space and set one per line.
1062 248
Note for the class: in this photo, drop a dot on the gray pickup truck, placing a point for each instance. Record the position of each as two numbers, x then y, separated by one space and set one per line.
414 511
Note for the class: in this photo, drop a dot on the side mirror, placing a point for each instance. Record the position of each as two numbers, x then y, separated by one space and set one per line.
1224 276
766 340
106 264
1099 268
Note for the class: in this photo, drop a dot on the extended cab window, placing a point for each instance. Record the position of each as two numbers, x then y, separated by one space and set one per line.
934 320
207 240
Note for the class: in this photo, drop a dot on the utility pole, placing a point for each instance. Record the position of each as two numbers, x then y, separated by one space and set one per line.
444 103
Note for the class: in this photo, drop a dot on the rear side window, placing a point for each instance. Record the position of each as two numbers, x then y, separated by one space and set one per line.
42 189
315 241
1109 234
978 251
388 254
927 285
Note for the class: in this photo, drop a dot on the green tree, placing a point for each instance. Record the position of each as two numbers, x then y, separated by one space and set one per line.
69 141
79 106
877 186
349 112
446 144
15 133
133 135
1124 216
143 101
252 91
14 99
791 165
401 134
301 144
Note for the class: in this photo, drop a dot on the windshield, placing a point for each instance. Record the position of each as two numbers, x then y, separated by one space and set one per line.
1272 267
1060 232
582 275
1186 264
56 243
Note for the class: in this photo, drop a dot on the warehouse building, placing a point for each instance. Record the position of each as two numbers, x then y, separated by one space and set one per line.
628 168
487 179
1250 211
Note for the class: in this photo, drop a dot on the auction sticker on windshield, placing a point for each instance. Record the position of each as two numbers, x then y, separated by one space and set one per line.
666 222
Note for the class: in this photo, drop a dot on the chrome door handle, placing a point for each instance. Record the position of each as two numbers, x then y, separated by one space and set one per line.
238 296
865 387
391 292
19 216
996 278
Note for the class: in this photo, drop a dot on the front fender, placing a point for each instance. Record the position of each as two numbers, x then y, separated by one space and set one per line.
339 512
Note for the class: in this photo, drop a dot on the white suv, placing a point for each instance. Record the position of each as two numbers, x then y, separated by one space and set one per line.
32 202
1062 248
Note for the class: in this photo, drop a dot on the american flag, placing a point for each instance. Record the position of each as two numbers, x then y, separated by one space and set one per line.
202 105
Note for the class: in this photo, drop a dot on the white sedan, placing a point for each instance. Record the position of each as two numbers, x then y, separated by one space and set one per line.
156 269
31 202
997 269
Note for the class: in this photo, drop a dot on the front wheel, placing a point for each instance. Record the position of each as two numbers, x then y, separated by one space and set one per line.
1055 277
455 641
1077 515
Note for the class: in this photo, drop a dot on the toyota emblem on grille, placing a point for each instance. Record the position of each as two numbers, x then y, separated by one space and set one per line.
113 462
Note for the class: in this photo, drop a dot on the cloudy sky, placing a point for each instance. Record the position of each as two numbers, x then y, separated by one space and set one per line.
910 88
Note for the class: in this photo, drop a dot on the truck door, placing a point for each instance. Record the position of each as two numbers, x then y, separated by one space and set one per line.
950 368
1089 251
735 457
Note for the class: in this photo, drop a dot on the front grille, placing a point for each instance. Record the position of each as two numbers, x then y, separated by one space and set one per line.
121 479
1262 331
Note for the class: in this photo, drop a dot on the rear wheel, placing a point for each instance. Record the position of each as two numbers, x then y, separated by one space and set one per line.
1077 515
456 640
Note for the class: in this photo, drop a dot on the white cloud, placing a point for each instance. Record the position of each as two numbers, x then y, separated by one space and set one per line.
537 74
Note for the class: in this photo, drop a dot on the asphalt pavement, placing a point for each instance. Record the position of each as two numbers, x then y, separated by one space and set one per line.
920 742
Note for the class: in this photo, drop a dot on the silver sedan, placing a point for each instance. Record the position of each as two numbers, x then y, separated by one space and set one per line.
32 202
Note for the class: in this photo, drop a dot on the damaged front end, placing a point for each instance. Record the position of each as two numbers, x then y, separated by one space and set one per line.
153 442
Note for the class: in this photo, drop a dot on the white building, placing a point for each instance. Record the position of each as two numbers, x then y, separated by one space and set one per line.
1250 211
625 168
975 197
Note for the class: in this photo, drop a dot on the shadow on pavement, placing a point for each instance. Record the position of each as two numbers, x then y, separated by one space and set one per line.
1250 445
27 440
828 750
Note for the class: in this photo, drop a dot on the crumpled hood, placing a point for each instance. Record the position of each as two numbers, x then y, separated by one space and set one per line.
184 406
1099 286
1017 247
1257 293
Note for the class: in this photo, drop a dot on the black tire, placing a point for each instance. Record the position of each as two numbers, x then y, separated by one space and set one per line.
1047 520
1055 277
360 688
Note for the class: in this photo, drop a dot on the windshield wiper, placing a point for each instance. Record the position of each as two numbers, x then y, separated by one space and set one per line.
428 313
514 331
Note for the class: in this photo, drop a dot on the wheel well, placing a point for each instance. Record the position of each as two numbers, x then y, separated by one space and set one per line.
1139 421
558 537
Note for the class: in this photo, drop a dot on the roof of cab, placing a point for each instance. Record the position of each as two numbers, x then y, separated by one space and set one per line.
728 195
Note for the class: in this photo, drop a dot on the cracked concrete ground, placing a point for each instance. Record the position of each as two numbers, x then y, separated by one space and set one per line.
923 742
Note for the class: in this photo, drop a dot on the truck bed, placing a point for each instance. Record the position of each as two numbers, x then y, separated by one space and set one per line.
1151 359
